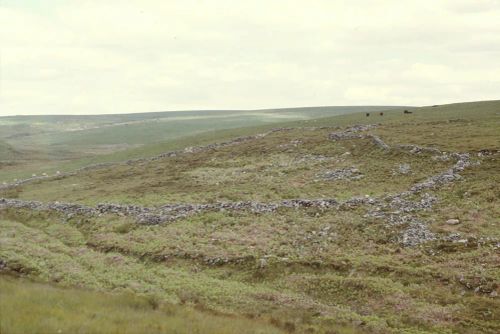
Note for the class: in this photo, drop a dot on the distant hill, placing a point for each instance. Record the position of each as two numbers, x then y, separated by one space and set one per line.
7 152
144 128
66 137
309 112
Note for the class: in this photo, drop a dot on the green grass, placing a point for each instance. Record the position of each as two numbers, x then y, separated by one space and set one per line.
27 307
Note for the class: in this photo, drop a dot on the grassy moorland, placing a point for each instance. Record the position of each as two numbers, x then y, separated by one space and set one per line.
304 270
29 307
49 143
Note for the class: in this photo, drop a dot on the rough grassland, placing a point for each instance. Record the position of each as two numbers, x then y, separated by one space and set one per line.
27 307
265 170
307 270
50 143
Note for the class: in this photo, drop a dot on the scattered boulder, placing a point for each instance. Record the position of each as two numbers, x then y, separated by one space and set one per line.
404 169
262 263
379 142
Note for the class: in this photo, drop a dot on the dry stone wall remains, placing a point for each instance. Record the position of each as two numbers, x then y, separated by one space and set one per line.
396 209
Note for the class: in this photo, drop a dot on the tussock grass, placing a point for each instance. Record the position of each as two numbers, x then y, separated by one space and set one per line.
27 307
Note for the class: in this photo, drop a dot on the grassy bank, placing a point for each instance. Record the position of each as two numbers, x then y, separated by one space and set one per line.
27 307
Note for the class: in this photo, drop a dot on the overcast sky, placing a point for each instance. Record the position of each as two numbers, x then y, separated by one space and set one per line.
88 57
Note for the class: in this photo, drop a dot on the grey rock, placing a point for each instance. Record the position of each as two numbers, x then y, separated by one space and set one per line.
404 169
262 263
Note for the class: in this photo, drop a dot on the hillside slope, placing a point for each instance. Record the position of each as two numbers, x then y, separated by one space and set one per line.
62 142
28 307
352 224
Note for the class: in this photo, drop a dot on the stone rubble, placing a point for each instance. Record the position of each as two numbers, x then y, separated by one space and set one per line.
378 142
171 212
352 133
416 234
166 213
450 175
399 207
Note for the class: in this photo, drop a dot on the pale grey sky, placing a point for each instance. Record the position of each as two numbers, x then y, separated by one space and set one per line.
88 57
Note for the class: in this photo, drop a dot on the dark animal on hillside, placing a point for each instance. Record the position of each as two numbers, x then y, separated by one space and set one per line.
367 114
381 114
407 112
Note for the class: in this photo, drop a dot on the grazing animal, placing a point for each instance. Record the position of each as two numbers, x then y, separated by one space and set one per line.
407 112
367 114
381 114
